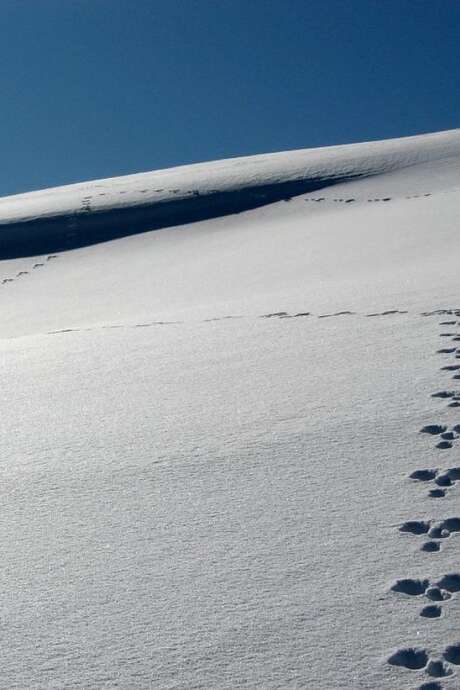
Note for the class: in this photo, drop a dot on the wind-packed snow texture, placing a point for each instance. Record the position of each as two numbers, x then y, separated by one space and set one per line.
230 448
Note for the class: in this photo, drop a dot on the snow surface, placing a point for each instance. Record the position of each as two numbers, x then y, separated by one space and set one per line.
207 438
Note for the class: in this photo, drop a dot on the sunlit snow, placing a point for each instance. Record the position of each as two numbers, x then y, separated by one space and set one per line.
230 446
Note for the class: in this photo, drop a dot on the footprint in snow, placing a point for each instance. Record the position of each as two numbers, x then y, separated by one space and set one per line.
455 395
453 473
388 312
437 668
274 315
431 611
413 658
283 315
443 479
437 594
433 429
435 530
442 312
440 591
443 432
337 313
423 475
452 654
430 547
443 445
417 658
437 493
442 529
415 527
413 587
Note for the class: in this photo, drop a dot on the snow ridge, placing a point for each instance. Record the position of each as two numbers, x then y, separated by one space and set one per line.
84 213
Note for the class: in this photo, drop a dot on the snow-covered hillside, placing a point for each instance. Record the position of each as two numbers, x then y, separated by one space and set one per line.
230 449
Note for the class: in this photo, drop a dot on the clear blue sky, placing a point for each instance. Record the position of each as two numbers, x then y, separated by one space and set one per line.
95 88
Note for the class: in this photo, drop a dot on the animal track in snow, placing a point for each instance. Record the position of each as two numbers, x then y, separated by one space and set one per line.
450 583
437 594
437 493
423 475
411 587
452 395
413 658
433 429
274 315
452 654
442 312
415 527
443 445
431 611
453 473
337 313
435 530
388 312
23 273
441 590
284 315
416 659
443 479
436 668
430 546
371 200
295 316
448 478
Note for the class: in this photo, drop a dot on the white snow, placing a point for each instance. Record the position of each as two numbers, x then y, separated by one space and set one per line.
195 494
334 162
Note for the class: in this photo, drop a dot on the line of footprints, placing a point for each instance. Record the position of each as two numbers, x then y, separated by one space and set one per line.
432 534
24 273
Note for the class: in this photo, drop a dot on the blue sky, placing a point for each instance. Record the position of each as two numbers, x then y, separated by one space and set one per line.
98 88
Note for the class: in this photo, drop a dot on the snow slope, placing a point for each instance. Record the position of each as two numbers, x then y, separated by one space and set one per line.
209 429
79 214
